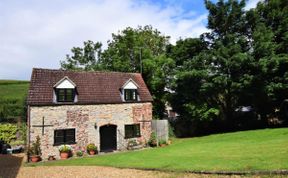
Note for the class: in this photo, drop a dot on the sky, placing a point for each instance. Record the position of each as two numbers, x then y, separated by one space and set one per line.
38 34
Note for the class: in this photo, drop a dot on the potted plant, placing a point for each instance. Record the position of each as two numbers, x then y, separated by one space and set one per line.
162 143
153 140
92 149
131 144
51 157
35 150
65 151
79 153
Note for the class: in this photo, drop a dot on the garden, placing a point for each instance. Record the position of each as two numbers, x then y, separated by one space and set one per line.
67 151
258 150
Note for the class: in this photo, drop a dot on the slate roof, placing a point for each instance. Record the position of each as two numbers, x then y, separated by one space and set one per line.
92 87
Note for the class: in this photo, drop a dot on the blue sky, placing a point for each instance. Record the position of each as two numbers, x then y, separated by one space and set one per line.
40 33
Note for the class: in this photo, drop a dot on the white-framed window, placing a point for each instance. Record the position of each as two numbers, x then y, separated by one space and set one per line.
130 91
65 91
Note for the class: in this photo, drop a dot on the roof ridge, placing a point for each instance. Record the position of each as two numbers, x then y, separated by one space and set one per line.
81 71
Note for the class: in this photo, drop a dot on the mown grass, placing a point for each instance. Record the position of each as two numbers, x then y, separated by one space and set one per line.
240 151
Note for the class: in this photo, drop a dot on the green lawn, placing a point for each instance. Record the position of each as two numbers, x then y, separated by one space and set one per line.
240 151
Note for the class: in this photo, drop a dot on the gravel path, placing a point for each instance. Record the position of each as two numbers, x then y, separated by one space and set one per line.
98 172
86 171
11 166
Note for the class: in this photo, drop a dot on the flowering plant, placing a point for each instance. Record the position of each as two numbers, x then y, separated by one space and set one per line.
91 147
65 148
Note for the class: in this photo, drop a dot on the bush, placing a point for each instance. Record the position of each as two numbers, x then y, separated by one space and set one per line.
171 131
91 147
153 140
8 132
17 142
35 149
65 149
79 153
23 132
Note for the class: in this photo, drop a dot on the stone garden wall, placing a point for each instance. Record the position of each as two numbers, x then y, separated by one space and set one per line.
87 120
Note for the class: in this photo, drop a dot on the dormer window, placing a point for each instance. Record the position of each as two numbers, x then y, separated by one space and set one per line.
65 95
130 94
65 91
129 91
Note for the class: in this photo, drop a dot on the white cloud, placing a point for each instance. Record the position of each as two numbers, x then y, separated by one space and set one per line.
251 4
35 34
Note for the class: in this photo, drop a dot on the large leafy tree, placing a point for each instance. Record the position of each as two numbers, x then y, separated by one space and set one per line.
86 58
243 64
142 49
185 50
213 83
268 24
130 45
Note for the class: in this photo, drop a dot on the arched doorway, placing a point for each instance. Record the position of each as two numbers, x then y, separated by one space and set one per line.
108 138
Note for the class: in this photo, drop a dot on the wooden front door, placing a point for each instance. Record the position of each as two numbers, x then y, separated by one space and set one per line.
108 138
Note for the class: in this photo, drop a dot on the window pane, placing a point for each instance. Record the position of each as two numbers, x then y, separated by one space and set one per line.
69 95
128 131
70 139
70 132
58 140
60 95
65 95
70 136
134 95
59 133
132 131
130 95
58 136
64 136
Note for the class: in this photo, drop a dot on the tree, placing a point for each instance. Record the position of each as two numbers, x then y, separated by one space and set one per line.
142 49
212 85
129 46
157 74
131 50
185 50
244 64
268 24
86 58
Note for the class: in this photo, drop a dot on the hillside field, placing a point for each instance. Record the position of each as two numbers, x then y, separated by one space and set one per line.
12 98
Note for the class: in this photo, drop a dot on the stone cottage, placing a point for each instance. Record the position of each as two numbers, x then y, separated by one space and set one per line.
78 108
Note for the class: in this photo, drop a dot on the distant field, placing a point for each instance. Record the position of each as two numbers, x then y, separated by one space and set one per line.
264 150
12 97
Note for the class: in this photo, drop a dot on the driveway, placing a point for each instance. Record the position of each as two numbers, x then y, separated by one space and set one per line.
11 166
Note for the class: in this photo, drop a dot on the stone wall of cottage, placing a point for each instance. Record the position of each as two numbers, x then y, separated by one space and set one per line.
84 118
